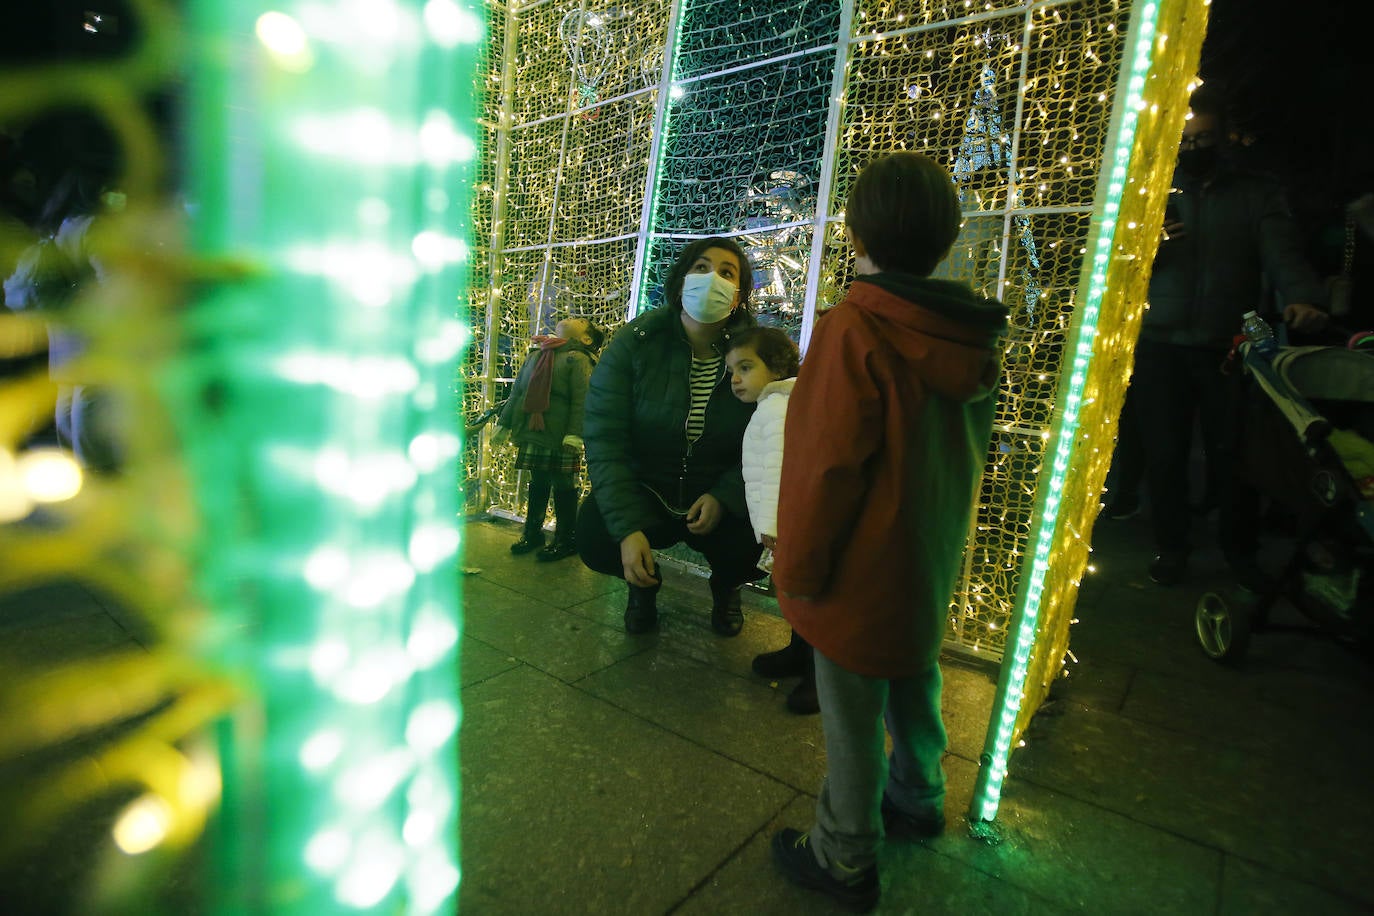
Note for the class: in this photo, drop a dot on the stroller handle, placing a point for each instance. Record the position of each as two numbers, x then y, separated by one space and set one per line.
1312 428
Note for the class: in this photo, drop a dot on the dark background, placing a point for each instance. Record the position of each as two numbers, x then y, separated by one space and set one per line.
1289 68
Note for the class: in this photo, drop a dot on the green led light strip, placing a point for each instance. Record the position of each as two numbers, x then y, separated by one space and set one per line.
993 762
332 149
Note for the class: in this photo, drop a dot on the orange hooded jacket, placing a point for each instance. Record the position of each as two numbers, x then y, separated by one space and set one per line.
887 433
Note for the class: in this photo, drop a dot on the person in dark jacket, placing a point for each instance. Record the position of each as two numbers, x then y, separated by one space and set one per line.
663 435
898 383
544 417
1225 231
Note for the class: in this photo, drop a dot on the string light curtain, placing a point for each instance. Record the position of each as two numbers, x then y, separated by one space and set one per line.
765 115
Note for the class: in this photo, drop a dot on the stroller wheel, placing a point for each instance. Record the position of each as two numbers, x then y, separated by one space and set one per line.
1223 627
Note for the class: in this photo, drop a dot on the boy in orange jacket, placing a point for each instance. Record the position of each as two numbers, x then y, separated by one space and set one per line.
898 382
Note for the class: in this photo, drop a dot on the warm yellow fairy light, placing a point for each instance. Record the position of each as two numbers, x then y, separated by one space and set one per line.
49 475
143 825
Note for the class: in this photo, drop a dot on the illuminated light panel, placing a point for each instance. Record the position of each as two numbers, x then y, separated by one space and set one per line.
332 489
993 761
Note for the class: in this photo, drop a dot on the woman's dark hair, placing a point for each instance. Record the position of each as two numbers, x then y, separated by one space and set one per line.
775 348
905 211
672 287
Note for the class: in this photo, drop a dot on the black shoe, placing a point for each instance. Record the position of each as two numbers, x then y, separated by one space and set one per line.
641 610
789 661
527 544
1121 508
1168 568
855 889
902 826
558 550
803 700
727 617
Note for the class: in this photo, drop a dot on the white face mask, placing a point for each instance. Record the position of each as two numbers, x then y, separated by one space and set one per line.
708 298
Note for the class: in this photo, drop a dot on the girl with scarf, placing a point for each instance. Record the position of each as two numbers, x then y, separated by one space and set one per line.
544 417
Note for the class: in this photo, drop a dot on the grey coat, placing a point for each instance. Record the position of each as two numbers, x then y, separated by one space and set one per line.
572 368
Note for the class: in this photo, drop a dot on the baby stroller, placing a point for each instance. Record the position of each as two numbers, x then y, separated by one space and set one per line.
1306 436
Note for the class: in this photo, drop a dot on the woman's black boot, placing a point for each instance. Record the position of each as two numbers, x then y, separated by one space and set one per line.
727 617
789 661
641 610
565 530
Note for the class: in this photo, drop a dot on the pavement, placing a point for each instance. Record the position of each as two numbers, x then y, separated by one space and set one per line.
606 773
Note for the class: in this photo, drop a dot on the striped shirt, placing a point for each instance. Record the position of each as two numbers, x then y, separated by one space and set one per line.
705 374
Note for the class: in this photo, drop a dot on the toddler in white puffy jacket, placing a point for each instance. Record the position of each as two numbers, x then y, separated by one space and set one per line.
763 365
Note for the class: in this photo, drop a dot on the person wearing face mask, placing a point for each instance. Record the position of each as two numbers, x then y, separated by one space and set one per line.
663 435
1225 232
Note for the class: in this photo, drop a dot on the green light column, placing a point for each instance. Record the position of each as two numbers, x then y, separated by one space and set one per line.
330 147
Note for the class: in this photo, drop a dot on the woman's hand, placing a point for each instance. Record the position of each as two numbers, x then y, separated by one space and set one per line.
637 557
704 515
770 542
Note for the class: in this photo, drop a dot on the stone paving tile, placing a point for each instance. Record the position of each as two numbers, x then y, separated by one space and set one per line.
573 806
741 718
538 634
1248 889
966 705
1257 805
567 582
1078 855
480 661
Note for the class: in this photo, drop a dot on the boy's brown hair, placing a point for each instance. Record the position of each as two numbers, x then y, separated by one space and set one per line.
905 211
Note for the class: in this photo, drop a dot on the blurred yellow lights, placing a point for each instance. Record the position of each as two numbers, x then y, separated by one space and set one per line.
143 825
49 475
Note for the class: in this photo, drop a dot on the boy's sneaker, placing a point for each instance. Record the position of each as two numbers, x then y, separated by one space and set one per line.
803 699
789 661
855 889
902 826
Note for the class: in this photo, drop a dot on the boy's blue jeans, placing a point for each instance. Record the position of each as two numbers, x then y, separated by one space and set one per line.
854 708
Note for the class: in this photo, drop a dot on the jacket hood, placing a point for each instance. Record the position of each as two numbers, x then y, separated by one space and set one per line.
781 386
947 333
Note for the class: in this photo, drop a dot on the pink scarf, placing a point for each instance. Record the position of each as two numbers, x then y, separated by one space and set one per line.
541 379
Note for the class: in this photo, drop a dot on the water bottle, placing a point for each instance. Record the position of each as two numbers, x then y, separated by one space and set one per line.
1260 335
